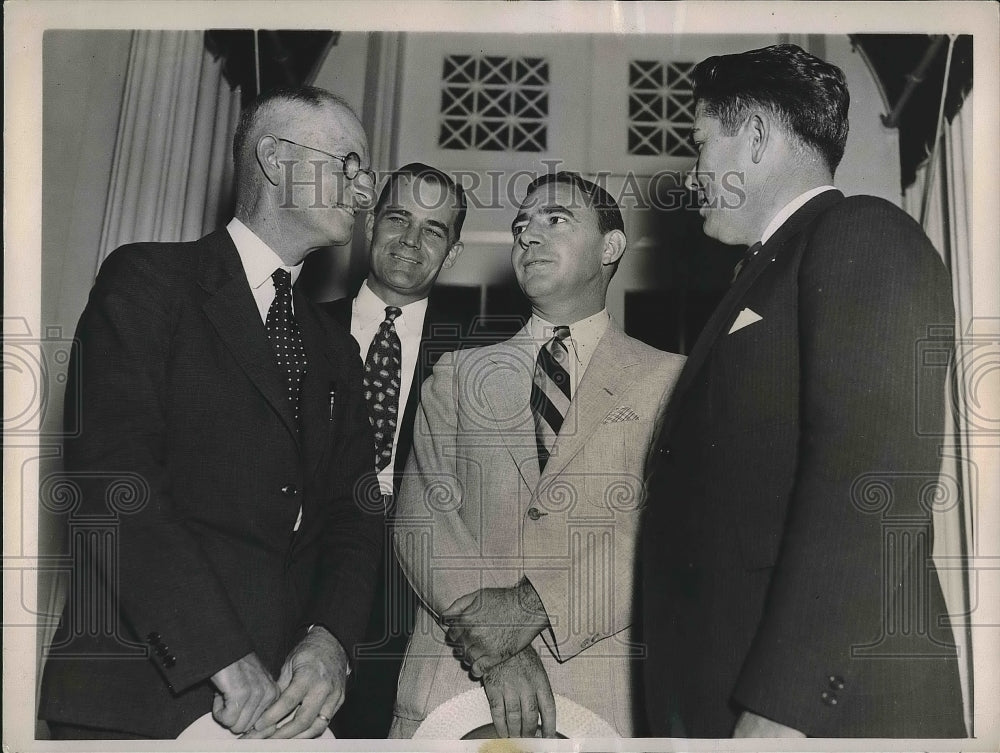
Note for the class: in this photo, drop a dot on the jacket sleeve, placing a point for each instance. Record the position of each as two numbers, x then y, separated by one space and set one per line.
871 290
162 583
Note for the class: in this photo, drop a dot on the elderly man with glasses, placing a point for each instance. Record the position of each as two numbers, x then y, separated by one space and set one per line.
232 409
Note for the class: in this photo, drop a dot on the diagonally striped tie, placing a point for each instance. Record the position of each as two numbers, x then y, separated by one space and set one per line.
550 393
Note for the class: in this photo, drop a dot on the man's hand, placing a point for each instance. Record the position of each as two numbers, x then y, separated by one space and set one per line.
312 684
519 691
490 625
246 690
750 724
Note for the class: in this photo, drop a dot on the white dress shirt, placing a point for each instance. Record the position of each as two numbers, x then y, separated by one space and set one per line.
259 262
791 208
583 338
367 314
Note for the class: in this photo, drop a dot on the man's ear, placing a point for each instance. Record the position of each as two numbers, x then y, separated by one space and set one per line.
759 133
614 246
267 158
453 253
370 225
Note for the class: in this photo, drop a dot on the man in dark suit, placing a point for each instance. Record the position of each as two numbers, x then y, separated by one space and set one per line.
788 587
413 233
225 441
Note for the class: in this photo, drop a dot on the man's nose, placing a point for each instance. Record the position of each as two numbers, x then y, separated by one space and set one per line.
528 236
411 236
691 178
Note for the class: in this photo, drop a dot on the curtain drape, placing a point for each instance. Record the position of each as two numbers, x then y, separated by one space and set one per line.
172 172
947 223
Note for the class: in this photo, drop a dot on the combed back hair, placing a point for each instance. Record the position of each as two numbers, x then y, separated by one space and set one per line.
266 103
419 171
609 216
807 95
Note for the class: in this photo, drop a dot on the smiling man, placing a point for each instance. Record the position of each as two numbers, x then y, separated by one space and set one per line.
517 516
413 233
788 587
230 408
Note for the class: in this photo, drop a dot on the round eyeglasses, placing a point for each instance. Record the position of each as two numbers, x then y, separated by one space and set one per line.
351 161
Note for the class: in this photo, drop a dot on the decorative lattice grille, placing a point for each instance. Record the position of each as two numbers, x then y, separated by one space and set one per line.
494 103
660 108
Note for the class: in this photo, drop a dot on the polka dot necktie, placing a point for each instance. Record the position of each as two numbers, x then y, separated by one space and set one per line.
550 392
285 337
381 382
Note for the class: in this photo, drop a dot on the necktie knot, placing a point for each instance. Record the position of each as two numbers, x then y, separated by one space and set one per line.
282 279
391 312
557 345
751 252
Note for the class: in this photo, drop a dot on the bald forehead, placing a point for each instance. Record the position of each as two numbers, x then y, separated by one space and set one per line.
330 125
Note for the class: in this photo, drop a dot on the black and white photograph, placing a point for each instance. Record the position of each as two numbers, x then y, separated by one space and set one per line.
409 376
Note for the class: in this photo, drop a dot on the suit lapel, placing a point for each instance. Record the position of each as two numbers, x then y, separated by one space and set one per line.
606 378
777 245
507 391
233 312
319 382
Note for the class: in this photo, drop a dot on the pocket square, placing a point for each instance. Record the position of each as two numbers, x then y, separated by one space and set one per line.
745 319
619 414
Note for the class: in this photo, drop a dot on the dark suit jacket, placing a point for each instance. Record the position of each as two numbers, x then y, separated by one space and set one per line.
441 333
192 470
367 711
786 550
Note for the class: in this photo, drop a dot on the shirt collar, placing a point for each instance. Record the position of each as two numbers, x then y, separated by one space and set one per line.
791 208
368 307
259 259
584 334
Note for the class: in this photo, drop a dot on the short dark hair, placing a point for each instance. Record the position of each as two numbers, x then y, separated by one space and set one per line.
808 96
420 171
609 216
306 95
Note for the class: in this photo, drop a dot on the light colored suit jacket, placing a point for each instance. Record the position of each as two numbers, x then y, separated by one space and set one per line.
474 512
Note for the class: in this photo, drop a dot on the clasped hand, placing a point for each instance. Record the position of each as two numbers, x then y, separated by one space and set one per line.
491 625
519 693
308 692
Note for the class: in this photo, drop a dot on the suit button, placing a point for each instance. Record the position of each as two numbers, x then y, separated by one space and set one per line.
153 638
836 682
665 451
830 699
169 661
162 650
289 490
534 513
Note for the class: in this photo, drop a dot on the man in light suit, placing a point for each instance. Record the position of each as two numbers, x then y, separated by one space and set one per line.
518 514
413 233
242 555
788 587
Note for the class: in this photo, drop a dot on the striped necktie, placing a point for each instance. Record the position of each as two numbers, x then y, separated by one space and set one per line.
550 392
